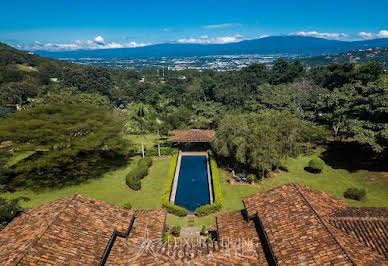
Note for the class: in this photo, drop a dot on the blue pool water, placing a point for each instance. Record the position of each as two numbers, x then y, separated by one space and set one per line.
193 187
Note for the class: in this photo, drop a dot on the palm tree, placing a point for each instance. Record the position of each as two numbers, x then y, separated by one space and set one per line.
158 123
140 116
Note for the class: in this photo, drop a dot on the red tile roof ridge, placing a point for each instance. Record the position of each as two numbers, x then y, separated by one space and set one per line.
329 196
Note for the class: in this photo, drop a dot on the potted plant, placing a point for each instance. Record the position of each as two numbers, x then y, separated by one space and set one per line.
251 179
176 230
203 231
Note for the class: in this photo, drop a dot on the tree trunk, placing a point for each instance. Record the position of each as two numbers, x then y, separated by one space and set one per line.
142 143
158 143
336 129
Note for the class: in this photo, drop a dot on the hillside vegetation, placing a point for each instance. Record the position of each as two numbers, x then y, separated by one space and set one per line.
379 55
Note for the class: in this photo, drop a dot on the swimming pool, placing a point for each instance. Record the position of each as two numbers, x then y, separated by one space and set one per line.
193 183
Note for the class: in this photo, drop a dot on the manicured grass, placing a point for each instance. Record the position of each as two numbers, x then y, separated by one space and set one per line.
332 181
110 188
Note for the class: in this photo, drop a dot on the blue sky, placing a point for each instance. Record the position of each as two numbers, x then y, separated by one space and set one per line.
75 24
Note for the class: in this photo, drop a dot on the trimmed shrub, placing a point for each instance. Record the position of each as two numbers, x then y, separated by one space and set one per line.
218 201
355 193
127 206
139 172
133 182
316 165
172 208
207 209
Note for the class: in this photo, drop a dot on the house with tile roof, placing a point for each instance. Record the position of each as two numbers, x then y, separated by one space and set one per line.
288 225
192 135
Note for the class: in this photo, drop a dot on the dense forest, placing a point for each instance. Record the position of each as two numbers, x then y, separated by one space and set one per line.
261 114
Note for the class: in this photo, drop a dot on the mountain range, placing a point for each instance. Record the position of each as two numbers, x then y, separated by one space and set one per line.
292 45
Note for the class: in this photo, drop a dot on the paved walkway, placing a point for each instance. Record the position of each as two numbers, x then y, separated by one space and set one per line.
191 232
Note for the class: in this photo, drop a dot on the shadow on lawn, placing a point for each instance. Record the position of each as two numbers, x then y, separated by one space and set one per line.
352 157
85 170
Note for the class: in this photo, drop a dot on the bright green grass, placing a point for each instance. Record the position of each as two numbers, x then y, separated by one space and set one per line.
149 140
332 181
110 188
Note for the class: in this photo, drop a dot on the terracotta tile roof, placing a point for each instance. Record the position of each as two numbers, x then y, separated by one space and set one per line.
322 202
73 230
292 218
368 225
303 225
192 135
232 226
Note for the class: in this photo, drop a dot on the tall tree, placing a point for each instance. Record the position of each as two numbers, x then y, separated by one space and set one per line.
72 143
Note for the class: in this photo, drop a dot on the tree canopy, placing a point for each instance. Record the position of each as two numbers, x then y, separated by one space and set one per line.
71 142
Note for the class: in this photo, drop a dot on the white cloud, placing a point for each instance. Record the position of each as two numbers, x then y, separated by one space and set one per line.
366 35
97 43
264 36
214 40
99 39
225 25
166 29
371 35
325 35
382 34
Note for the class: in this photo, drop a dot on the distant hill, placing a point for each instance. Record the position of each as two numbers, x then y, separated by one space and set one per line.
16 66
360 56
12 56
293 45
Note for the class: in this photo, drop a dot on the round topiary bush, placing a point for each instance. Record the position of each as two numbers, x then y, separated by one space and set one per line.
316 165
355 193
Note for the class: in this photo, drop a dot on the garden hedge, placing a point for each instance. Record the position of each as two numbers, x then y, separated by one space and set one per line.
172 208
218 200
140 171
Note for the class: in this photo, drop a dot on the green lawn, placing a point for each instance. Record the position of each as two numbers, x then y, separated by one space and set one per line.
110 188
332 181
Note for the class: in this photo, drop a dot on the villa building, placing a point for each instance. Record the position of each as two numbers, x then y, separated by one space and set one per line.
289 225
192 139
